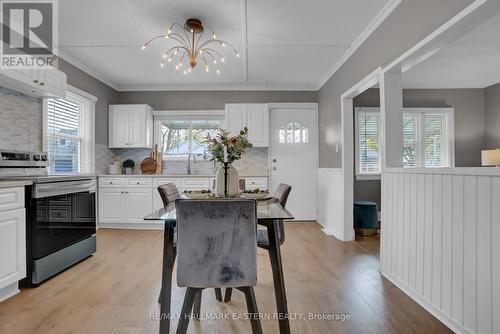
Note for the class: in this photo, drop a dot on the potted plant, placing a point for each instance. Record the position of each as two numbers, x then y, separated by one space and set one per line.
226 149
128 165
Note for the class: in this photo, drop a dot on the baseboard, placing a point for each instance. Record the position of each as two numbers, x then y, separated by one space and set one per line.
9 291
445 319
133 226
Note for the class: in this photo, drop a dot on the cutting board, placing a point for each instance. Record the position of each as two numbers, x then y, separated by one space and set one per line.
148 166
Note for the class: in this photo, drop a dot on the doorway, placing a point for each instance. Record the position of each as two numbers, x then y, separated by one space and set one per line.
294 155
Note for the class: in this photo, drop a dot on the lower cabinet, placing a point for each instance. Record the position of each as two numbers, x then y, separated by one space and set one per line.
124 205
12 240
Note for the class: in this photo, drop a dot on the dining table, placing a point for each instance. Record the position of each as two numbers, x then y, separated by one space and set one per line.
269 215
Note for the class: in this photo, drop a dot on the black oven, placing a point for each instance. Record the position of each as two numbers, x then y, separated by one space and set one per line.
61 226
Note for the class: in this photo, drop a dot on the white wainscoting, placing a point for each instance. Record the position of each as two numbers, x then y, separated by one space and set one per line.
331 201
440 245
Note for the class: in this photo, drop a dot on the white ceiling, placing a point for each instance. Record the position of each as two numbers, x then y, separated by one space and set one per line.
471 61
285 44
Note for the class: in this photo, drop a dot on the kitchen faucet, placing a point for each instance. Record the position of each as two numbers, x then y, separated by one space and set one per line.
189 162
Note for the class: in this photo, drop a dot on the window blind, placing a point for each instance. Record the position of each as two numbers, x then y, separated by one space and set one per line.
369 143
70 134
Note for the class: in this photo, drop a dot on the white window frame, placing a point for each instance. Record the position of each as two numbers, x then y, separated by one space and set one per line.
449 112
363 175
183 115
89 151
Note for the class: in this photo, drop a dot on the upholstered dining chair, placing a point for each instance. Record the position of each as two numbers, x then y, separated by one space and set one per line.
168 193
216 248
281 196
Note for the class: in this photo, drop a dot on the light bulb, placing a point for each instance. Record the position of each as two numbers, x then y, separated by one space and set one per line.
185 72
215 37
161 65
218 71
238 54
167 36
189 70
222 60
223 44
192 30
143 47
215 62
177 67
169 59
180 64
164 56
175 52
169 31
207 69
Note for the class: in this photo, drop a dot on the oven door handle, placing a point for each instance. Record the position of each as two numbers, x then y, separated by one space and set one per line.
62 188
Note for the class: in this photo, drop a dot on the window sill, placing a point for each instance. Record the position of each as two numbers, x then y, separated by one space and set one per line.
368 177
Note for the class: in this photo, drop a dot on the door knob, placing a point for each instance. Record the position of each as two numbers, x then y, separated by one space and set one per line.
275 168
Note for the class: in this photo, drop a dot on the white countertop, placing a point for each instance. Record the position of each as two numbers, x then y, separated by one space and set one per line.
176 175
14 184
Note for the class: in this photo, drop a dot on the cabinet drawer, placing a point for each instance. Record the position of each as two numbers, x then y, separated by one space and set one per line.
162 181
195 183
142 182
253 183
109 182
11 198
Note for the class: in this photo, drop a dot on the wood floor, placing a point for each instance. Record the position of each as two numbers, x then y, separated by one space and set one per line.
370 244
116 290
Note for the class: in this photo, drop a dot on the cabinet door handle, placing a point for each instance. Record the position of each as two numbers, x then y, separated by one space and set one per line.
35 81
42 83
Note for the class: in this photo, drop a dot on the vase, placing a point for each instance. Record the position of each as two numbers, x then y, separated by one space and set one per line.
232 181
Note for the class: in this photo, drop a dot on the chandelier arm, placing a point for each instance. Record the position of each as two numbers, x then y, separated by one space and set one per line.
214 51
175 48
196 49
206 51
181 28
221 42
152 39
179 39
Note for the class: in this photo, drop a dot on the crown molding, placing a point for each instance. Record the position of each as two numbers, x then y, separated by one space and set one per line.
372 26
83 67
217 87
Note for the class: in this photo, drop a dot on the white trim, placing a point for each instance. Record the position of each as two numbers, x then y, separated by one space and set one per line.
446 320
83 67
357 145
188 113
347 121
244 36
80 92
229 86
477 171
300 105
372 26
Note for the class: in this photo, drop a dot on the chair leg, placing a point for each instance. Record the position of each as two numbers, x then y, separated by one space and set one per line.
252 309
228 294
218 294
197 305
187 307
166 285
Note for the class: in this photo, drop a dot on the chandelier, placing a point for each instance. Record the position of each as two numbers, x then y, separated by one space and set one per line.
192 47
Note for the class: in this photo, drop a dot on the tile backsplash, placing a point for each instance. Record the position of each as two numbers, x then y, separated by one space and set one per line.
253 162
20 121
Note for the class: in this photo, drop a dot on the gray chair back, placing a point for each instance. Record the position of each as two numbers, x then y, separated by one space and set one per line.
216 243
282 193
168 193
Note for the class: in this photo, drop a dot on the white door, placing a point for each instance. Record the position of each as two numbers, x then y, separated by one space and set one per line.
139 204
258 124
294 158
112 205
120 124
236 117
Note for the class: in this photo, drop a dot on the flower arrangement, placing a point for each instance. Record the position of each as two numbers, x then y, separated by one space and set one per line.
226 148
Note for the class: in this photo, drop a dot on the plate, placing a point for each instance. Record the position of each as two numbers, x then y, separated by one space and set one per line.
255 195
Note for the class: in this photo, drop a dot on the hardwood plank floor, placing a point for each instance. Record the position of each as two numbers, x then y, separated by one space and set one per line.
115 291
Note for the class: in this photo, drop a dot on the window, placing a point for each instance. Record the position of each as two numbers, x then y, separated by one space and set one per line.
293 133
179 138
69 133
427 139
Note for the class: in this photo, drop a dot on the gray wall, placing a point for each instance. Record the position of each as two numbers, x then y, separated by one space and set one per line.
469 116
408 24
492 117
105 96
211 100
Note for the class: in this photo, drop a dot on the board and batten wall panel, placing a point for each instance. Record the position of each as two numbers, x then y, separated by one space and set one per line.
438 244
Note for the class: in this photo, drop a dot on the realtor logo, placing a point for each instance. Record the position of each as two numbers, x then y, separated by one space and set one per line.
29 34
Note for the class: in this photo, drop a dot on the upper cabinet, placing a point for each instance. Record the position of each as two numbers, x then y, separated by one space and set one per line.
254 116
38 82
130 125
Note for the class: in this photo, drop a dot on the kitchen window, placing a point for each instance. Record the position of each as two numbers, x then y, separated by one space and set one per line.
180 133
69 132
428 139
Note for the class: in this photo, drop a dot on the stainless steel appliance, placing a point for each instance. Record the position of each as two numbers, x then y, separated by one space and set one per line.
60 214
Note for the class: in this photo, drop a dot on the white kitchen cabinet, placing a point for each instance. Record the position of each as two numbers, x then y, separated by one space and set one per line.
12 240
37 82
112 205
130 126
124 200
254 116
